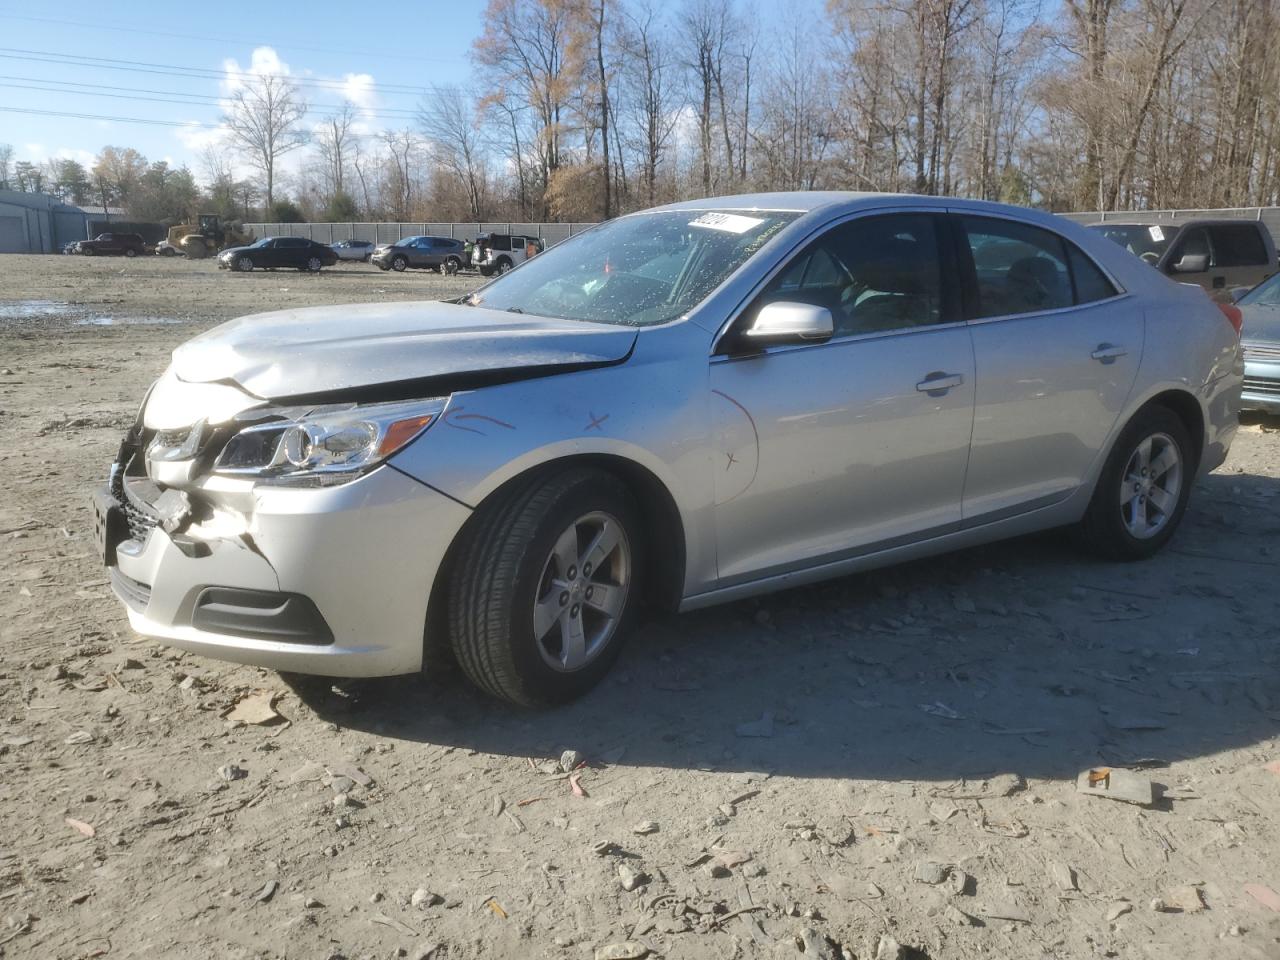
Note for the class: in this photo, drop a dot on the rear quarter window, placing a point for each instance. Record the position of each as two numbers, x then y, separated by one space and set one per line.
1237 246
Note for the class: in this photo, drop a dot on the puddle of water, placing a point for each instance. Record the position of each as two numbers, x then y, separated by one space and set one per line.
30 309
114 321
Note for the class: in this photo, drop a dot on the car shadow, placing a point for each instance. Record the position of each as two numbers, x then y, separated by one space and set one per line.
1024 656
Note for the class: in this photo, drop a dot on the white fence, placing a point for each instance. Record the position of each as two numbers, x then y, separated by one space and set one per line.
549 233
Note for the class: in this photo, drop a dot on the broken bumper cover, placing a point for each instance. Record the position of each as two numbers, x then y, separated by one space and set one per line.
330 581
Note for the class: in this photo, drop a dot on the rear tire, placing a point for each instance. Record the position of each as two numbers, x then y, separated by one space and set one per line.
1143 489
314 265
504 264
131 252
451 266
522 621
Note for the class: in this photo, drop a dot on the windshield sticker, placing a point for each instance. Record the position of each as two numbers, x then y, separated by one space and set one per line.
728 222
1156 233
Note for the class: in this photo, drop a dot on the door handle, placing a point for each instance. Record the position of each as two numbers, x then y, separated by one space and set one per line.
1108 353
938 383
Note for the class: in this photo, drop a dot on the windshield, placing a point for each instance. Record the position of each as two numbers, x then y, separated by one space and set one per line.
1142 240
637 270
1265 294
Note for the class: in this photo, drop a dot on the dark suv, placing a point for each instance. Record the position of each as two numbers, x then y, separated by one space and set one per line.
435 253
1220 255
113 245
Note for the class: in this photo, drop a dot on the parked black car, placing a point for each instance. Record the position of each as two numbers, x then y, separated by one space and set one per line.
113 245
270 253
436 253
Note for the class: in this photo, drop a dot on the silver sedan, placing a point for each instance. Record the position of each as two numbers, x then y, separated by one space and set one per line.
677 408
1261 342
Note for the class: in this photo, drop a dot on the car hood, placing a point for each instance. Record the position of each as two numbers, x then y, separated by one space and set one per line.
1261 322
318 350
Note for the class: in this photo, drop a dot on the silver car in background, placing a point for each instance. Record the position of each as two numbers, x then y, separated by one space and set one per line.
679 407
1260 339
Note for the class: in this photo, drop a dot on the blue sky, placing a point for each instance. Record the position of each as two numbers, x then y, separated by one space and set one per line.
380 57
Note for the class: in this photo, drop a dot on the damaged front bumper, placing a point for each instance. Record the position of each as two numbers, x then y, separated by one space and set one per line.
332 581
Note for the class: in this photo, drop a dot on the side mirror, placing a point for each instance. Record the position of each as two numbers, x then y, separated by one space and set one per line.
1238 292
1191 263
783 322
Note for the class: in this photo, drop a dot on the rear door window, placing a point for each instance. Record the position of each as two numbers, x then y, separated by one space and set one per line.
1018 268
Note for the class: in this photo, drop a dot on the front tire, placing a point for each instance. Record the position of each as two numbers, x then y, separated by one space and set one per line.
1143 489
131 253
398 264
545 585
244 264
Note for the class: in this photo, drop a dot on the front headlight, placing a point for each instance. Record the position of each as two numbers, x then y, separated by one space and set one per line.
324 446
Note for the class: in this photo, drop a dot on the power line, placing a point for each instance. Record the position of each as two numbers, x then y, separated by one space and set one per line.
194 73
95 116
255 43
184 99
204 124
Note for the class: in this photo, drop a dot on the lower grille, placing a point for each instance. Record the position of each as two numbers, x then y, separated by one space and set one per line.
139 523
1258 385
133 592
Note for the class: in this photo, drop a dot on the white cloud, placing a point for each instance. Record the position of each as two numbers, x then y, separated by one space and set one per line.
85 157
358 89
34 151
197 137
263 62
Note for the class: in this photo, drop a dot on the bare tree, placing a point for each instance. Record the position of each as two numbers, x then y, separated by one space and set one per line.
265 120
334 140
447 120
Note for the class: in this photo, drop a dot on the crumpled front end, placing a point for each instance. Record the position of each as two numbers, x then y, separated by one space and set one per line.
326 579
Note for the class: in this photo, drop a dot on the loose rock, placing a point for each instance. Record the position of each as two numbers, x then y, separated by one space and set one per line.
627 950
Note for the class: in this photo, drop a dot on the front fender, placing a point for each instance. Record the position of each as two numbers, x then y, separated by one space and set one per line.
650 410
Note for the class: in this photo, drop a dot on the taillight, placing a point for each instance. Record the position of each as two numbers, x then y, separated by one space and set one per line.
1234 316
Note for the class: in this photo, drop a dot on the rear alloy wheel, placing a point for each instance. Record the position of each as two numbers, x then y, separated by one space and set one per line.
452 265
398 264
244 264
544 586
314 264
1143 489
504 265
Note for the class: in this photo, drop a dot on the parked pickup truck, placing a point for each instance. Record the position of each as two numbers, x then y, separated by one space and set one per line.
113 245
1220 255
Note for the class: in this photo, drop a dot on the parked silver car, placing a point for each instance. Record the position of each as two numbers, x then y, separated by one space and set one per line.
679 407
1261 342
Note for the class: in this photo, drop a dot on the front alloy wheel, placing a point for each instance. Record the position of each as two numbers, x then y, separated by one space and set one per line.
399 264
543 585
244 264
582 591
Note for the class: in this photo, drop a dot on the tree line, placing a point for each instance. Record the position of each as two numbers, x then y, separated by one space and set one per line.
583 109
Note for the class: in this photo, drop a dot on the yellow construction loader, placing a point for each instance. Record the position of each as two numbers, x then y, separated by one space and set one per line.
204 239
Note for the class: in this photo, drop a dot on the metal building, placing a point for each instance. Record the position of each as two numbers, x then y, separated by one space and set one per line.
38 223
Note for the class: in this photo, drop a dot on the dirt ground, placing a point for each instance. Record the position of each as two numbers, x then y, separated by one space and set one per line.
881 766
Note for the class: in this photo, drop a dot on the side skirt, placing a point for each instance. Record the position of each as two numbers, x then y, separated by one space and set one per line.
1061 513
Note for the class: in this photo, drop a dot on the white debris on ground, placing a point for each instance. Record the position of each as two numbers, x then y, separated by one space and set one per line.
1013 752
